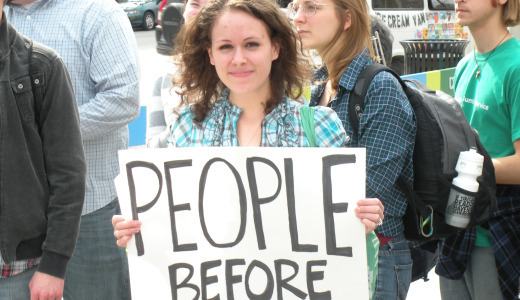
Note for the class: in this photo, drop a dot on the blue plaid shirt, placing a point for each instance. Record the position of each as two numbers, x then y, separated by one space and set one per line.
97 44
387 131
282 127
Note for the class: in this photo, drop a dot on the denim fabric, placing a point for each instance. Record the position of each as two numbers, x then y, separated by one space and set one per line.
395 270
17 287
480 280
99 268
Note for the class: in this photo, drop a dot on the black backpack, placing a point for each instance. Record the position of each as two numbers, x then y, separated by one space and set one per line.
442 133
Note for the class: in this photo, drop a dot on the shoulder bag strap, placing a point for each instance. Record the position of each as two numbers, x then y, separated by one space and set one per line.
307 115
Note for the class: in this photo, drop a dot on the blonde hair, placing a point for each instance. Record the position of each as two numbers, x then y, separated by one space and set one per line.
347 44
511 13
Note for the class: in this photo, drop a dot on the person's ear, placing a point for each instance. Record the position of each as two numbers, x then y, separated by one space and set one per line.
275 51
348 20
211 60
502 2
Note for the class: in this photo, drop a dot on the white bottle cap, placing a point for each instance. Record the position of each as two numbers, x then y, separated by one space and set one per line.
470 162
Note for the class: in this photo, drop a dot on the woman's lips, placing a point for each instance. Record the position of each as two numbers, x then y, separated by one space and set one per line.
240 74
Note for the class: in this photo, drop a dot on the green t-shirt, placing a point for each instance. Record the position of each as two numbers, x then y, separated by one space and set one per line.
491 102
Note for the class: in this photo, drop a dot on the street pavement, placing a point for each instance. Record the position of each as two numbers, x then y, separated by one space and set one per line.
152 64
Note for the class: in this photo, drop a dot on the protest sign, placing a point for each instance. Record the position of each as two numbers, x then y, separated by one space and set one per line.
245 223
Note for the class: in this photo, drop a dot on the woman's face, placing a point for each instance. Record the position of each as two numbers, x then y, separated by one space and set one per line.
242 53
192 9
317 31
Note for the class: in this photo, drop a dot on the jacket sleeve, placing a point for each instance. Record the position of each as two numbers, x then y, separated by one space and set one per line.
64 166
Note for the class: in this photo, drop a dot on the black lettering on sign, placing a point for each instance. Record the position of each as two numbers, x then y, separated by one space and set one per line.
169 165
206 280
133 198
331 208
230 278
256 201
422 18
242 200
283 283
185 283
268 292
314 276
406 21
291 206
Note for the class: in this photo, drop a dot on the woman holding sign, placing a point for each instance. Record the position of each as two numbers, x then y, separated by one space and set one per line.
241 64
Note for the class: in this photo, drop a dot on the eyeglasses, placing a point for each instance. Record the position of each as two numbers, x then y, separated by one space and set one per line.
308 8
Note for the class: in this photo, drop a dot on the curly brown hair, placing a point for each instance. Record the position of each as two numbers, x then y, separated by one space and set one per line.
200 83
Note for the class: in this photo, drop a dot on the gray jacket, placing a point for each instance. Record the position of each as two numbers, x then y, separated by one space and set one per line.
42 164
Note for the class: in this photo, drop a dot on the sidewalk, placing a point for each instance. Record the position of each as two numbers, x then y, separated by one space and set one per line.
420 290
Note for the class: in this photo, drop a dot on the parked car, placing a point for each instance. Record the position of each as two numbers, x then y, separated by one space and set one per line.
170 22
141 13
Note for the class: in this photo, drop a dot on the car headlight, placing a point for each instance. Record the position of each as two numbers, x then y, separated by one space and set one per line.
132 12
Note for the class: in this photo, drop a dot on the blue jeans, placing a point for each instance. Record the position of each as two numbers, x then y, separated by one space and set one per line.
395 270
17 287
98 268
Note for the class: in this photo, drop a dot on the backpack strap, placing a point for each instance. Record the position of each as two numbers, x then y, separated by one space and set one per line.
307 115
356 104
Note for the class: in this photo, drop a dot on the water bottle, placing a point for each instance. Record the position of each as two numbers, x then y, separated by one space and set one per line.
469 167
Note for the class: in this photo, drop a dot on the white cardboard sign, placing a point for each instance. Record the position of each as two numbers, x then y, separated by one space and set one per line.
245 223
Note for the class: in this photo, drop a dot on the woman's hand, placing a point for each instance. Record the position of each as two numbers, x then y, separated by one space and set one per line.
370 211
124 230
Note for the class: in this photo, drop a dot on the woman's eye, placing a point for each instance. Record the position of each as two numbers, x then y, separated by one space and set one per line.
224 47
252 44
310 7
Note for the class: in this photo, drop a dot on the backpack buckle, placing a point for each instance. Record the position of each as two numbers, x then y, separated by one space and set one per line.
427 223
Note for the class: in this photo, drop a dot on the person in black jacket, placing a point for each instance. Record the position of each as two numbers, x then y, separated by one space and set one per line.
42 168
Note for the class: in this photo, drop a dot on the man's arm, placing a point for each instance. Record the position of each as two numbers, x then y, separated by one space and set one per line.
64 166
44 286
507 169
115 73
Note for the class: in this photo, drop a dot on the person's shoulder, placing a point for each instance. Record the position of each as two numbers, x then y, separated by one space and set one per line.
98 9
386 80
182 128
324 112
44 58
43 52
511 53
185 116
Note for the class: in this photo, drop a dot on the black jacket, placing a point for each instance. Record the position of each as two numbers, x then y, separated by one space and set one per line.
42 164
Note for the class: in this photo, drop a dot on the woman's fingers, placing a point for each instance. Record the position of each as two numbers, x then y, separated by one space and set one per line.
371 213
124 230
367 207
